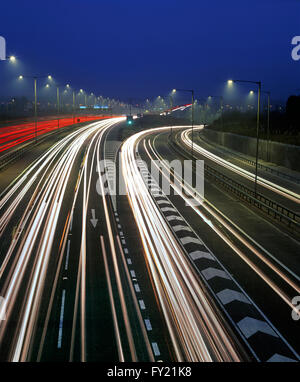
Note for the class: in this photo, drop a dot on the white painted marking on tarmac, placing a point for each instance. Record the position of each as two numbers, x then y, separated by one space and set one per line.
129 261
137 288
174 217
210 273
228 295
132 274
168 209
67 257
200 255
250 326
155 348
142 304
163 202
123 241
119 226
148 324
126 251
121 233
71 223
61 319
280 358
189 240
178 228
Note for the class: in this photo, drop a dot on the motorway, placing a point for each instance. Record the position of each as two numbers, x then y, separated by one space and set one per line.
240 239
100 263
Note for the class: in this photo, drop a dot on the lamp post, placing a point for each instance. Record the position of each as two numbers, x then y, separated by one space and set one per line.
73 106
258 83
192 116
35 78
171 104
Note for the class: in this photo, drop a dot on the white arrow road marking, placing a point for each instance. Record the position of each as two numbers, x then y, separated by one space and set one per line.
177 228
210 273
229 295
250 326
201 255
163 202
168 209
280 358
174 217
94 221
188 240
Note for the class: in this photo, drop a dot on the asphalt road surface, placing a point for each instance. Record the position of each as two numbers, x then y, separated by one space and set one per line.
99 262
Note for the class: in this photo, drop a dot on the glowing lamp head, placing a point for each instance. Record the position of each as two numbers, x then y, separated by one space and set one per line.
12 59
251 92
21 77
47 86
230 82
49 77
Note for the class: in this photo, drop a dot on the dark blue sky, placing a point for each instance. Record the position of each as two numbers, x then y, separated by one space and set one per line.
144 48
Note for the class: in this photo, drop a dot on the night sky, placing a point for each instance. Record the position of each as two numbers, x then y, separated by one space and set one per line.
140 48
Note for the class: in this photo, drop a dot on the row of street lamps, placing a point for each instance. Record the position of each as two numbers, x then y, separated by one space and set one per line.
230 83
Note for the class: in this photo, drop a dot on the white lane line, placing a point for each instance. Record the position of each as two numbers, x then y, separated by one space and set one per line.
133 274
123 241
117 219
142 304
121 233
126 251
148 324
201 255
129 261
71 223
137 288
210 273
228 295
119 226
155 348
250 326
67 257
61 319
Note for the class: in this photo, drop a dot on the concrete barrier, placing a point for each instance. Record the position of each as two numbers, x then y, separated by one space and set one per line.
279 153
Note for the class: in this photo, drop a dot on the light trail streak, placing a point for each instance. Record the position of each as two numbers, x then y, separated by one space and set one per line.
238 170
38 226
194 328
210 209
14 135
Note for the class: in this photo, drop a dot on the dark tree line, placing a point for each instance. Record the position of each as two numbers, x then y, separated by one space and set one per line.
281 122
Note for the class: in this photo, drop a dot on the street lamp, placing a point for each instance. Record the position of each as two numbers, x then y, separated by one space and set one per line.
12 58
192 117
35 78
258 83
